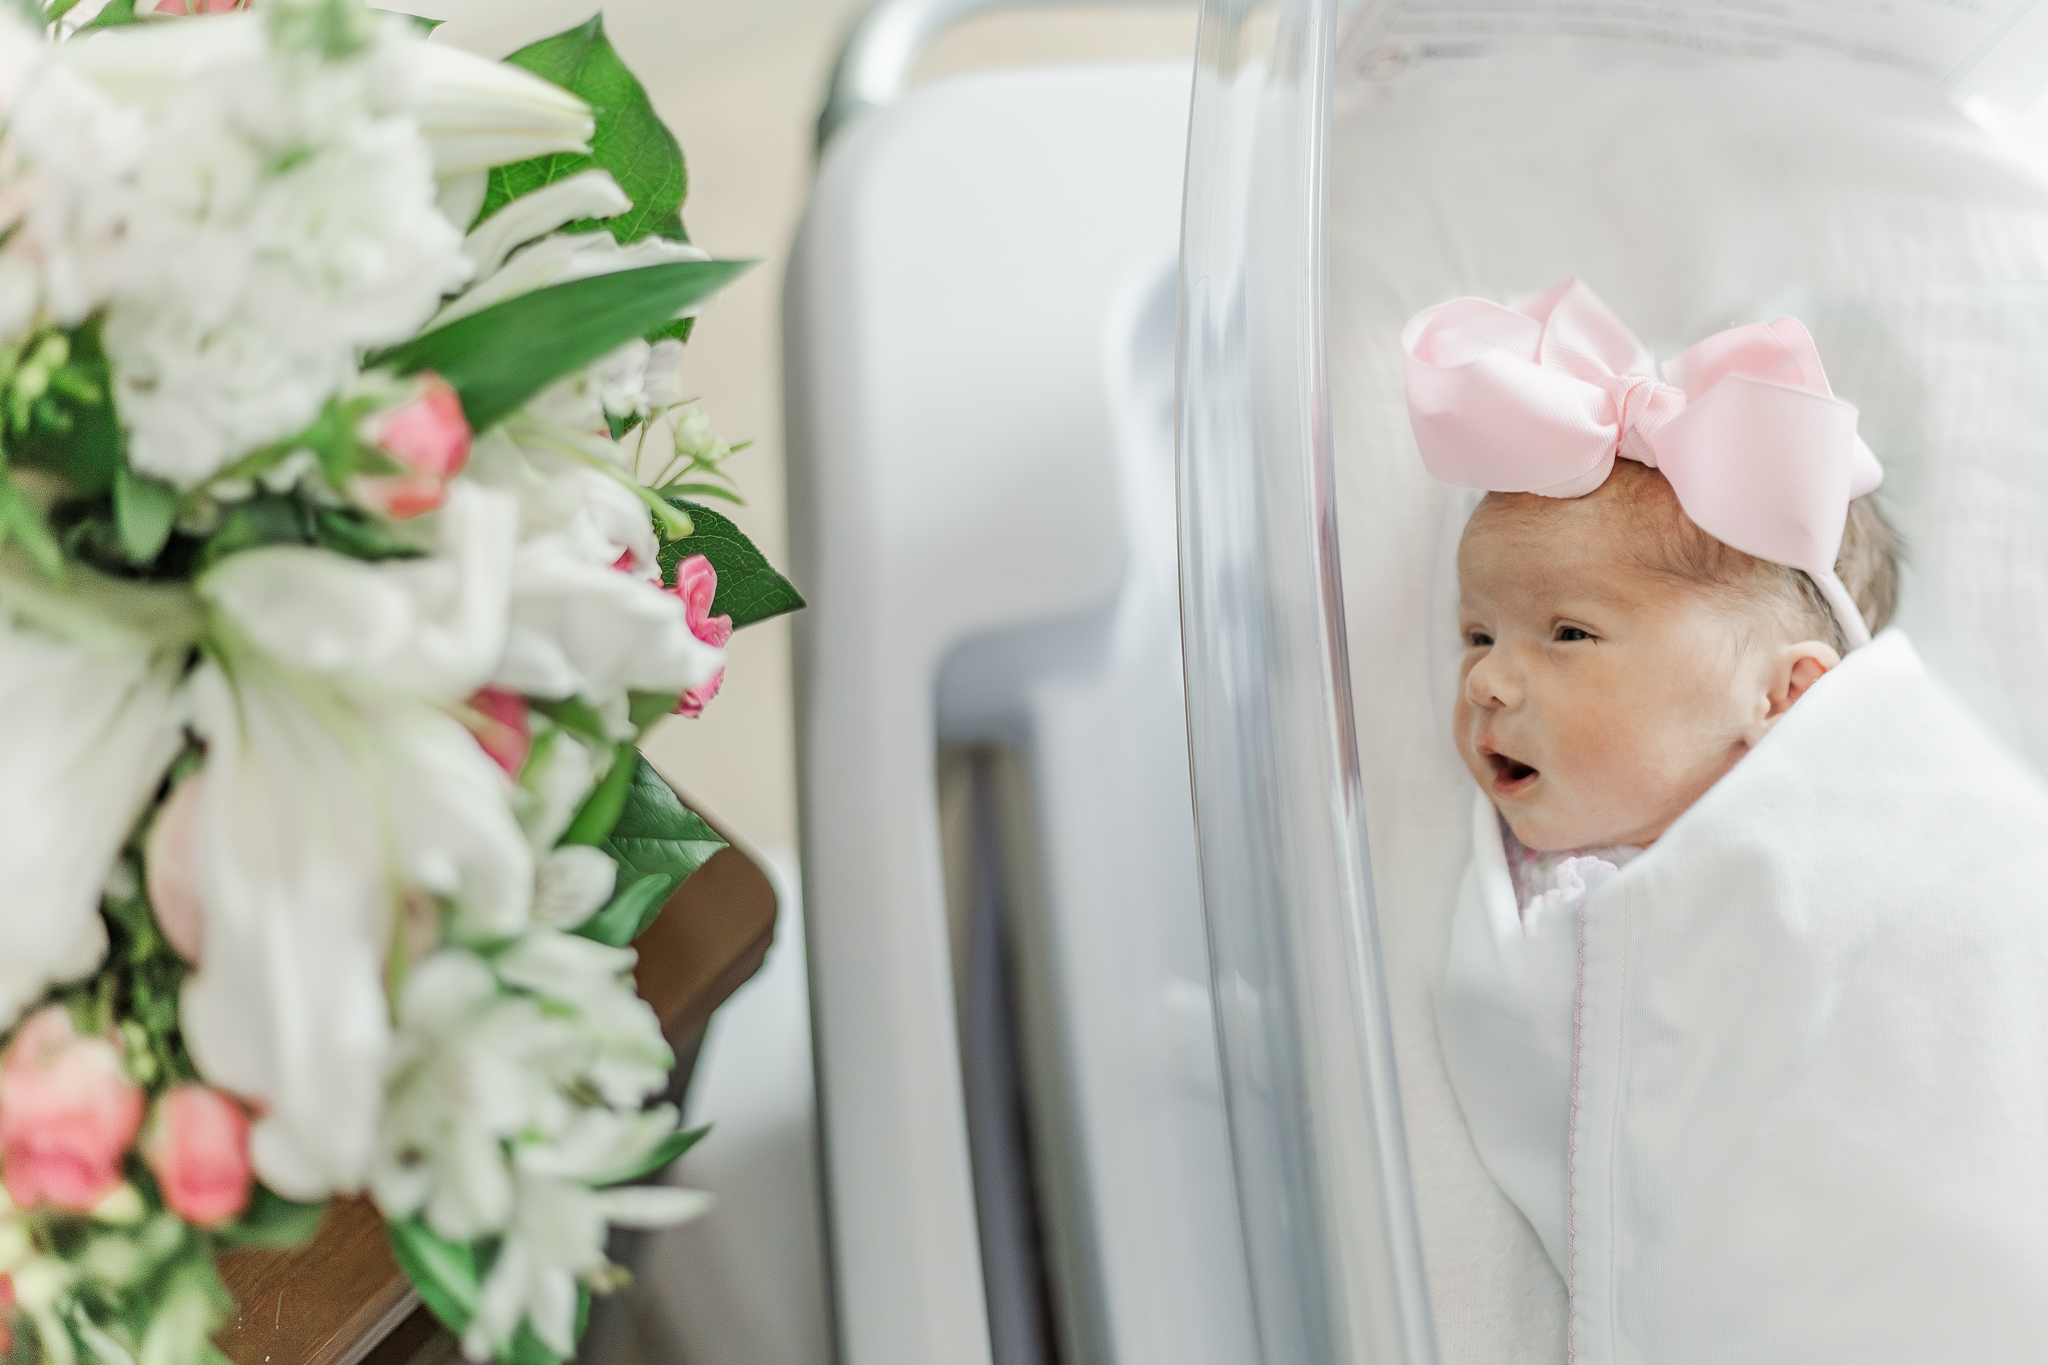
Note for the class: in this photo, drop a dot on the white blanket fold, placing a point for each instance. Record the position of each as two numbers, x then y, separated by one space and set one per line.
1810 1116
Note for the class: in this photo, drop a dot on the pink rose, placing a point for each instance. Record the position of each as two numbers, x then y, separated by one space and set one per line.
170 871
68 1114
429 435
499 721
198 1149
697 585
6 1314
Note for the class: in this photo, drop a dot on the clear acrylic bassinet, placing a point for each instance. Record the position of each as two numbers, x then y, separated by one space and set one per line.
1865 167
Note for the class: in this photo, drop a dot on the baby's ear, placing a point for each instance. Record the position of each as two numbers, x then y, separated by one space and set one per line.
1788 672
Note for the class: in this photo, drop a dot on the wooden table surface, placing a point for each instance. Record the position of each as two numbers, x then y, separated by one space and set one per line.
340 1299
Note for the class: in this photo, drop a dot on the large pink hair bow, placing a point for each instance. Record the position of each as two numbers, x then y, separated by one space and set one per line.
1541 398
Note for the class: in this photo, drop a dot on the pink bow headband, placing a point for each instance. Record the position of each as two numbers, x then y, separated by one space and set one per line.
1541 398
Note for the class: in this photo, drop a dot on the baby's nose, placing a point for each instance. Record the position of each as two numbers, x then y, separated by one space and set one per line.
1491 683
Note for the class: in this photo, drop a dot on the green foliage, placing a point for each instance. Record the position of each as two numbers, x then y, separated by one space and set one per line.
116 13
266 519
663 1156
68 426
145 1292
646 708
360 535
445 1273
601 809
578 717
143 512
23 523
631 910
630 141
657 843
449 1277
749 588
426 25
498 358
138 984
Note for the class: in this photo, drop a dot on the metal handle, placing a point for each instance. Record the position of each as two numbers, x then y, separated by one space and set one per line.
883 48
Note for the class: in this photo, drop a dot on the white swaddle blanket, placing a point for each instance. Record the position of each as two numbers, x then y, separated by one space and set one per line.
1794 1058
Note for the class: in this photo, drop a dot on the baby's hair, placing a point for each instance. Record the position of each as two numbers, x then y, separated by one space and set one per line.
1671 545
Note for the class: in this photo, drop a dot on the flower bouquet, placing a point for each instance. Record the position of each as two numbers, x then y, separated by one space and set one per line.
352 526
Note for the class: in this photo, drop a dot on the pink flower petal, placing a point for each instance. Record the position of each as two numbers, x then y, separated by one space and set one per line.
198 1149
68 1114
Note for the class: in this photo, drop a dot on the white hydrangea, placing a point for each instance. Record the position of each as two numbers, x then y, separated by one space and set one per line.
516 1095
257 218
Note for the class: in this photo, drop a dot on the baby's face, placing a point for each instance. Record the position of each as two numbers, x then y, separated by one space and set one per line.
1597 701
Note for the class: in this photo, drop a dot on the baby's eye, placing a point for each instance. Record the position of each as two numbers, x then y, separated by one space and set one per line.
1478 639
1573 633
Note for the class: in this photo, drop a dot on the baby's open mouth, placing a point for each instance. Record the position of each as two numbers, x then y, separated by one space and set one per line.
1509 774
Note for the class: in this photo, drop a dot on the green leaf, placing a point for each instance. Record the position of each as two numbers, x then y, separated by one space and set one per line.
76 434
601 809
263 520
645 708
22 523
749 589
631 910
426 25
444 1272
143 509
630 141
362 537
657 842
273 1221
704 490
578 717
117 12
672 1146
498 358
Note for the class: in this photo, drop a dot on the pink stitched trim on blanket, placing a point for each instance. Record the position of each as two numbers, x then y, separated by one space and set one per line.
1571 1170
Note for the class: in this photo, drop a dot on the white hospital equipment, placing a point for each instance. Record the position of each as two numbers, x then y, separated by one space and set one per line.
1079 1105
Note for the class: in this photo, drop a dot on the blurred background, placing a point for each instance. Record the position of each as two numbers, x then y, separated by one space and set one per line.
740 83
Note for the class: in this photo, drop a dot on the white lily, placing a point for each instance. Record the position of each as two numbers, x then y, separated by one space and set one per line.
88 731
517 1091
477 113
587 194
572 884
558 260
570 485
558 776
557 1239
321 808
586 630
432 627
288 1003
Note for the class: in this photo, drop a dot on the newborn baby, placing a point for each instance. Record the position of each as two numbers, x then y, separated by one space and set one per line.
1747 999
1618 661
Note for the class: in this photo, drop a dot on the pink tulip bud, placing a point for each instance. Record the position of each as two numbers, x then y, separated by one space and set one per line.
697 586
429 435
68 1114
499 721
171 873
197 1146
